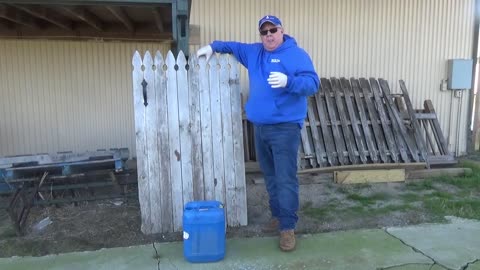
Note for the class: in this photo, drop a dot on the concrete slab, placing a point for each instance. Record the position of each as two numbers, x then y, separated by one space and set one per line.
139 257
451 245
474 266
363 249
418 267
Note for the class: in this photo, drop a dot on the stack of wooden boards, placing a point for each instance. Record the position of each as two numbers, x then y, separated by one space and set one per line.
361 122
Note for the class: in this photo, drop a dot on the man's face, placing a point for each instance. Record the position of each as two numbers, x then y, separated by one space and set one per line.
270 40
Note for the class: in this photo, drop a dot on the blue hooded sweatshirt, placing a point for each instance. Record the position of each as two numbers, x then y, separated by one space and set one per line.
267 105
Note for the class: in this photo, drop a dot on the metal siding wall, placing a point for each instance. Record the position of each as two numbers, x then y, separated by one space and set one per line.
67 95
408 39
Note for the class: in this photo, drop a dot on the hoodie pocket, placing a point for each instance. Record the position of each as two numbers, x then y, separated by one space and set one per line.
287 102
261 110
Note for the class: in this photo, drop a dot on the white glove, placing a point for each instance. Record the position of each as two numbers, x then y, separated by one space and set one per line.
277 80
206 50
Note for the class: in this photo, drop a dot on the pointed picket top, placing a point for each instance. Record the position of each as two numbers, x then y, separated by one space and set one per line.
137 61
170 61
158 61
213 62
223 61
202 62
181 61
147 60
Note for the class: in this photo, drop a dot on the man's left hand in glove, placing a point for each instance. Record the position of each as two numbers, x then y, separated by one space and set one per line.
277 80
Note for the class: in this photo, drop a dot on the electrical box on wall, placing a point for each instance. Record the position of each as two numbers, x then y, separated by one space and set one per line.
460 74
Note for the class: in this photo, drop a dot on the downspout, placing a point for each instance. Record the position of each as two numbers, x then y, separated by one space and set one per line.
471 135
180 25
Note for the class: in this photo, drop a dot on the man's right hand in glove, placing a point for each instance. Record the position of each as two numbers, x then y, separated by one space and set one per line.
206 50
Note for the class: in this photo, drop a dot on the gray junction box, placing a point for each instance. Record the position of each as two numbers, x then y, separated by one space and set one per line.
460 74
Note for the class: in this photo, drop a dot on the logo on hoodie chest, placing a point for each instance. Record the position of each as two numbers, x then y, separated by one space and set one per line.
275 60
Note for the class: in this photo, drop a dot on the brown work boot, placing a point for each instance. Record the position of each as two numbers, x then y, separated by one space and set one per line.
271 226
287 240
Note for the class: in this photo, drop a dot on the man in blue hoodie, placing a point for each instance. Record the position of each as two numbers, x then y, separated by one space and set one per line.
281 77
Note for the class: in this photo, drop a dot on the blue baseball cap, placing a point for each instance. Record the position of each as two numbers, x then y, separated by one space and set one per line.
271 19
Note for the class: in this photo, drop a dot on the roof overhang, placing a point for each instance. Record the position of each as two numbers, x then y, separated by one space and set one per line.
146 20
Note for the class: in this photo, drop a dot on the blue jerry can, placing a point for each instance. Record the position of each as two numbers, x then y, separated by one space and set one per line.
204 231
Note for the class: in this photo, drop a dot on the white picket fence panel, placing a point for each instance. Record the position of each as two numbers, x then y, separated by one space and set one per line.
188 126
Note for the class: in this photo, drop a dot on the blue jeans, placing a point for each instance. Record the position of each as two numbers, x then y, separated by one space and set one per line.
277 149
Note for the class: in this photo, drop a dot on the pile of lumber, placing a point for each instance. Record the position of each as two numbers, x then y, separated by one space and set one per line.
361 122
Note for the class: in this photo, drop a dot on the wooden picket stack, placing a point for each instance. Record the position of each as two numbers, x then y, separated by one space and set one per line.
188 137
359 121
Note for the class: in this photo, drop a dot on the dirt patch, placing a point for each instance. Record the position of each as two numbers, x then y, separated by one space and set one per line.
325 206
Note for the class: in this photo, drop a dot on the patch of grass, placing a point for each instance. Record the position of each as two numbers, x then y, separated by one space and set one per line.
470 182
390 208
320 212
307 205
420 185
353 211
439 195
7 233
12 247
356 211
470 164
464 208
6 228
434 198
317 213
368 200
410 197
361 186
343 189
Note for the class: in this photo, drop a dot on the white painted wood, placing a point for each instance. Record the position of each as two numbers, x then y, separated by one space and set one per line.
151 143
191 136
185 129
195 127
164 180
206 129
238 153
141 149
174 139
217 136
227 134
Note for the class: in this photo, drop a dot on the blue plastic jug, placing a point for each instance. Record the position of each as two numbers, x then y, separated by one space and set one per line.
204 231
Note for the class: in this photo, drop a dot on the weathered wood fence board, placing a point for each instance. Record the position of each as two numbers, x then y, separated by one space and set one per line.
174 153
413 118
140 105
240 194
166 220
359 121
372 149
195 128
345 84
151 139
217 139
189 139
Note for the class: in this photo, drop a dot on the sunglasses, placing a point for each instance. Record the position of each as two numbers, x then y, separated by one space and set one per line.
265 32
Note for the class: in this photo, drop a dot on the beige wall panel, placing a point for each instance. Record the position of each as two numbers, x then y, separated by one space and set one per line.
66 95
390 39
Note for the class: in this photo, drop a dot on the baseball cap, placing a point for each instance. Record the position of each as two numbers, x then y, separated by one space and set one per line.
271 19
